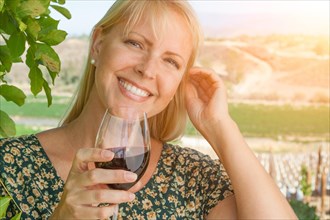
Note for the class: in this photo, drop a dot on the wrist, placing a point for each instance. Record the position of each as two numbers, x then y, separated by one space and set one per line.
219 124
217 128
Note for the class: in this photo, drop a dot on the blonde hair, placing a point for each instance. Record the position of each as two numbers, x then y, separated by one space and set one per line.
170 123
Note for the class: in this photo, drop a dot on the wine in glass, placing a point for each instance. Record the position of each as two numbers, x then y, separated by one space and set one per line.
125 132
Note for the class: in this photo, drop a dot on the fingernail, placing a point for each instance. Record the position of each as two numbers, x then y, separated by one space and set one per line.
129 176
107 153
131 196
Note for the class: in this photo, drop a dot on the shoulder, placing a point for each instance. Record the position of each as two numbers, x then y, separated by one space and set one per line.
189 160
186 154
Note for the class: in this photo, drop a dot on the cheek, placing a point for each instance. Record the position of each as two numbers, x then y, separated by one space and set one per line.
102 87
169 87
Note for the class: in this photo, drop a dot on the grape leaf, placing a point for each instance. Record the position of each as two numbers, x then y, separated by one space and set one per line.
17 216
48 57
33 28
7 129
12 93
54 37
48 93
16 44
37 80
32 8
5 57
65 12
2 3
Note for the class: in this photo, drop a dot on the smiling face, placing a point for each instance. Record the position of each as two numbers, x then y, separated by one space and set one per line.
139 68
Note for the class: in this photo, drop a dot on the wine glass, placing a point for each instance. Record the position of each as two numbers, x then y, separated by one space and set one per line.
125 132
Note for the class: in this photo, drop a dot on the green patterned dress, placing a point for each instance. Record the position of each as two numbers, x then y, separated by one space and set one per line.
185 185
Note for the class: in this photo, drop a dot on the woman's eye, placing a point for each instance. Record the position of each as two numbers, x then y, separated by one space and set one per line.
134 43
173 63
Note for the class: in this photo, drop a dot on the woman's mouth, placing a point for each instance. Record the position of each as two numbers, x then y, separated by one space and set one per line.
133 89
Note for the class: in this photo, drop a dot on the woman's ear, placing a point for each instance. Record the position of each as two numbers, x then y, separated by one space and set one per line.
96 43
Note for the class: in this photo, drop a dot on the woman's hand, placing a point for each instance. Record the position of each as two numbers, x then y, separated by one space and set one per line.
85 188
206 98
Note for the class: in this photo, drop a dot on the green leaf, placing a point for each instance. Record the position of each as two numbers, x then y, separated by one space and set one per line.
65 12
30 57
16 44
17 216
52 75
49 33
33 28
17 60
7 22
4 201
48 93
54 37
12 93
2 73
5 57
21 25
37 80
2 2
32 8
48 57
47 24
12 4
7 127
61 2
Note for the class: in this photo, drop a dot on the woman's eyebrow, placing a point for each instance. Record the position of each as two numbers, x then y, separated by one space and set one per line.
141 35
171 53
175 54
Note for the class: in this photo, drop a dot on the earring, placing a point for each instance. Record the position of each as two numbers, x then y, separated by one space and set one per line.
92 61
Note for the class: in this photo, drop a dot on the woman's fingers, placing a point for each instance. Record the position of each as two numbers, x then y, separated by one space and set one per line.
89 212
86 155
206 82
98 196
206 79
105 176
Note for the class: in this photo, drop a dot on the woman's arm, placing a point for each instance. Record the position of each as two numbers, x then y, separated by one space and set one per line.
256 194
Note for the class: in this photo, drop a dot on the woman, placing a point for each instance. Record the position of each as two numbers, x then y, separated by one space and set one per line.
142 55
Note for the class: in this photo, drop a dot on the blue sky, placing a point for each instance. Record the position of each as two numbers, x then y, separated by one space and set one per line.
223 18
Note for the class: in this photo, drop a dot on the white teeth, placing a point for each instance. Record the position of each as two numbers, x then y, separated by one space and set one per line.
136 91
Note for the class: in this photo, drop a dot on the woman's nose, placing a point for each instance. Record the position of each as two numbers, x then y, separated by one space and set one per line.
147 68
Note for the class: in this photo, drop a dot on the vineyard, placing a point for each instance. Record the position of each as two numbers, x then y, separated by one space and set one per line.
302 177
300 171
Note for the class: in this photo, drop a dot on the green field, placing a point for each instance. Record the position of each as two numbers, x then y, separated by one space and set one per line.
37 107
274 121
254 120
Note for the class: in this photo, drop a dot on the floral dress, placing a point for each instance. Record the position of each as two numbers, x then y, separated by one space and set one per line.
185 185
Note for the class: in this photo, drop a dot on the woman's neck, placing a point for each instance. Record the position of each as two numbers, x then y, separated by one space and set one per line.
82 131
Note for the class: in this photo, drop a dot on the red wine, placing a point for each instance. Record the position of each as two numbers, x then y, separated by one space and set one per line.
134 159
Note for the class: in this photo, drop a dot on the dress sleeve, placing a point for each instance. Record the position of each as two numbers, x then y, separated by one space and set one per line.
12 209
215 183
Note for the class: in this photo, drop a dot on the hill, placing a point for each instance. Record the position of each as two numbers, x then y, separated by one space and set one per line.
272 68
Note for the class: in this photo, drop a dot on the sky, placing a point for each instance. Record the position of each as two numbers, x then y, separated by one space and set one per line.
222 17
